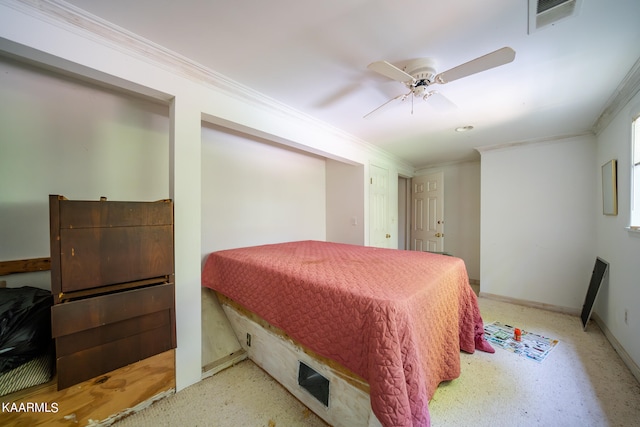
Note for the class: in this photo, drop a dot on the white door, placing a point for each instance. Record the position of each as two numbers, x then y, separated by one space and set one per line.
379 207
427 216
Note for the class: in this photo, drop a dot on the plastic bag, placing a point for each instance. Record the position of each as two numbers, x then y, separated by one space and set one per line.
25 325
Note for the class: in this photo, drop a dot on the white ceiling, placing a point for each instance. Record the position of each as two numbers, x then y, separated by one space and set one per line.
313 56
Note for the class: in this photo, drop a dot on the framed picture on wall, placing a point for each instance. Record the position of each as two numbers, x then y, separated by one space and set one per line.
610 188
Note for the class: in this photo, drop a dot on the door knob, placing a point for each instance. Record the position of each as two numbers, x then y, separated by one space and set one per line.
388 236
439 234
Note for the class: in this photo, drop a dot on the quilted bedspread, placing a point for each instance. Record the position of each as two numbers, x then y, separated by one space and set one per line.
396 318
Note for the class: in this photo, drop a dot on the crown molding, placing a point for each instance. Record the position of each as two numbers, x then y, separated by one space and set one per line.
446 164
550 139
625 91
98 30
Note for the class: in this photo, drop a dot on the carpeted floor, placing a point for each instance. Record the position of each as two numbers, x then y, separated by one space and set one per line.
583 382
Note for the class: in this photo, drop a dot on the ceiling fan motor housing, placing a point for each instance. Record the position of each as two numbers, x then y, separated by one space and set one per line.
423 70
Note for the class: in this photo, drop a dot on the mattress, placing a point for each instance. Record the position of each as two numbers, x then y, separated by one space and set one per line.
396 318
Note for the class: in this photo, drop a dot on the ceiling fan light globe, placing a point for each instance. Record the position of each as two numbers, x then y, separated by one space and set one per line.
420 91
429 94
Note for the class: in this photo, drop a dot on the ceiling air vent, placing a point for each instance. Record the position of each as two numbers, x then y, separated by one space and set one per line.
546 12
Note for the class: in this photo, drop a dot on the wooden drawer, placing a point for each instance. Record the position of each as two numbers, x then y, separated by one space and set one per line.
99 334
96 257
100 246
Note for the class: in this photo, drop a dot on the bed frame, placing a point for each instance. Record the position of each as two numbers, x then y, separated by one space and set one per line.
281 357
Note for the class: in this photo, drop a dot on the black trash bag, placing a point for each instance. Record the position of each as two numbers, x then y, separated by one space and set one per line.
25 325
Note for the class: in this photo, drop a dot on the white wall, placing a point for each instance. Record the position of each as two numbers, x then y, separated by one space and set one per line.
58 136
345 202
615 244
255 192
538 220
461 212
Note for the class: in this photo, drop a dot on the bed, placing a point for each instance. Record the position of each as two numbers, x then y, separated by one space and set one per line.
397 319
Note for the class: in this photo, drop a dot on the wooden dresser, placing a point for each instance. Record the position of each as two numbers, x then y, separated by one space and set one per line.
112 278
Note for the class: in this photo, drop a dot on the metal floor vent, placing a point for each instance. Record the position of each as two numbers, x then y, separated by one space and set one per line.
314 383
547 12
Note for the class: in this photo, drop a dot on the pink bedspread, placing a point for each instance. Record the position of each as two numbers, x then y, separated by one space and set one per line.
397 318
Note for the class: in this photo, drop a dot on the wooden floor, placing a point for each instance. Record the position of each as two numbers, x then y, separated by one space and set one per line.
98 401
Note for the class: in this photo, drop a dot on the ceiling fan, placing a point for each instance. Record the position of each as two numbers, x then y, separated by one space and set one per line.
418 74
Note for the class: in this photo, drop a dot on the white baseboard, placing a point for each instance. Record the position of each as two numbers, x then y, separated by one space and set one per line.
526 303
633 367
224 363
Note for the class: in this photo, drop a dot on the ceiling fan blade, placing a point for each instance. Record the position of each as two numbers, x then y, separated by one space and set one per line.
380 108
391 71
483 63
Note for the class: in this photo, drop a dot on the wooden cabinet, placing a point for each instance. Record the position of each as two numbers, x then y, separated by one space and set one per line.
112 276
